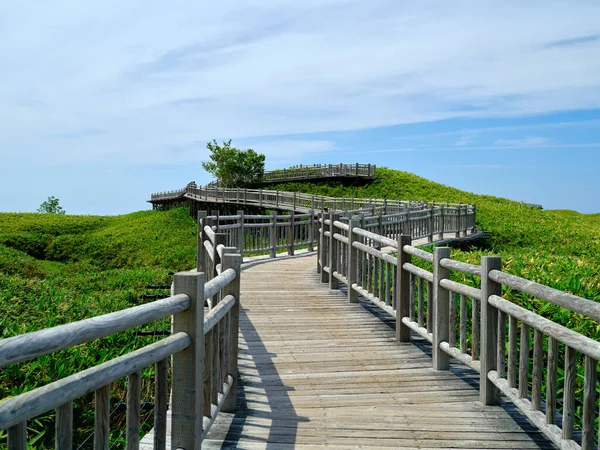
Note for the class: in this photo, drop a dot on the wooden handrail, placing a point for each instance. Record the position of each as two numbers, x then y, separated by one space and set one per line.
192 353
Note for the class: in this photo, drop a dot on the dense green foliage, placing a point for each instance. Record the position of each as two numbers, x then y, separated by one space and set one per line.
51 206
232 167
56 269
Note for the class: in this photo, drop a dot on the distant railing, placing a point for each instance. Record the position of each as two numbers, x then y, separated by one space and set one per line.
474 324
295 201
269 233
204 364
318 171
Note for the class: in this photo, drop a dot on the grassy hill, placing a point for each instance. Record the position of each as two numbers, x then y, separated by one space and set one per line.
56 269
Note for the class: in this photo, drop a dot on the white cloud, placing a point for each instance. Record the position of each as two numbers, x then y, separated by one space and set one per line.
529 141
464 140
155 81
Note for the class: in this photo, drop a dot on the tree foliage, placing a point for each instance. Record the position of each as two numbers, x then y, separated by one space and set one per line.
51 206
233 167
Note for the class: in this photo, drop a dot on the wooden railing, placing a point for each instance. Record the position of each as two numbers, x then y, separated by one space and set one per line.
204 364
474 324
269 233
318 171
296 201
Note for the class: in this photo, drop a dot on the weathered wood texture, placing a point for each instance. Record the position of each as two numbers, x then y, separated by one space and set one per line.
319 372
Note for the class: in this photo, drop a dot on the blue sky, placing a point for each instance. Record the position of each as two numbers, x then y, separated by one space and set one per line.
103 103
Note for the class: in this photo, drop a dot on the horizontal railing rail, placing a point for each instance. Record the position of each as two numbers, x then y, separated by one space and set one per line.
474 324
204 361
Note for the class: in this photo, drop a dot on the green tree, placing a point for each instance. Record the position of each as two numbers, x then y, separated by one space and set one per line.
233 167
51 206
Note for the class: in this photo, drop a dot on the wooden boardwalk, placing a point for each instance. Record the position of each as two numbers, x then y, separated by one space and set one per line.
318 372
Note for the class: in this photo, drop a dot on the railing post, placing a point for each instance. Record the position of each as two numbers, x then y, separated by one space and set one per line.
188 365
403 291
260 197
473 228
488 393
323 253
333 256
273 235
290 233
232 261
458 221
245 195
311 231
352 267
430 226
442 224
241 243
294 201
199 254
441 302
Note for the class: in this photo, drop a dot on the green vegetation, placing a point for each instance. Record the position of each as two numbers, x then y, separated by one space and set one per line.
232 167
56 269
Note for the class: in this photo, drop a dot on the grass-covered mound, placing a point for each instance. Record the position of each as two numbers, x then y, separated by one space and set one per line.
56 269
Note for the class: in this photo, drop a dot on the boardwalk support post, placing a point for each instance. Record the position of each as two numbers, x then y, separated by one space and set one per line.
273 235
201 222
333 256
442 224
489 394
352 267
403 291
188 365
441 306
323 253
311 231
290 235
241 235
232 261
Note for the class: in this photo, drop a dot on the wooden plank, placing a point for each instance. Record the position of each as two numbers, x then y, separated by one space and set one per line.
134 381
64 427
101 418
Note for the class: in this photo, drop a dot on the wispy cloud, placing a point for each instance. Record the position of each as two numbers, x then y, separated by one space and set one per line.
159 78
482 166
574 41
464 140
529 141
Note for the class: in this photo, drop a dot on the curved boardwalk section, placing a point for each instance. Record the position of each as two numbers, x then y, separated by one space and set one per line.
317 372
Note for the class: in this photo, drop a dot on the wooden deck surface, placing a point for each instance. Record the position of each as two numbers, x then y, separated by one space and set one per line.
318 372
